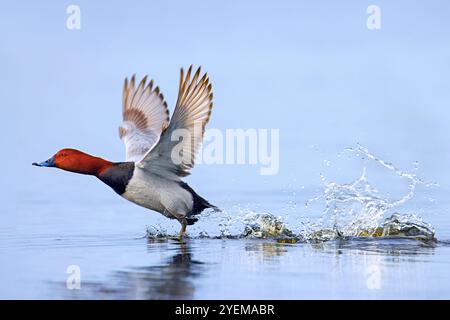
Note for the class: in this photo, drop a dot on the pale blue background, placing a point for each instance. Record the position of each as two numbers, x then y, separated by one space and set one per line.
311 69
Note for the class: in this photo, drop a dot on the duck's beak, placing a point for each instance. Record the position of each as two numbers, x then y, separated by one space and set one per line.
48 163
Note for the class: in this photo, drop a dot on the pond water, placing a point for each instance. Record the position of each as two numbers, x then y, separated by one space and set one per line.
122 251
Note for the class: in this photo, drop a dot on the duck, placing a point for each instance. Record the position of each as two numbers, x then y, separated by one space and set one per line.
159 150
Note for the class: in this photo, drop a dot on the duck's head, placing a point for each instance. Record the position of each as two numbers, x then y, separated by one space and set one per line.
75 161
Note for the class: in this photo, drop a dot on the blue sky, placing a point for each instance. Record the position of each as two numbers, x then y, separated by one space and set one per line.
310 68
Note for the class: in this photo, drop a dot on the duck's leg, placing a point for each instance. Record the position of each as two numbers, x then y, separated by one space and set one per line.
183 229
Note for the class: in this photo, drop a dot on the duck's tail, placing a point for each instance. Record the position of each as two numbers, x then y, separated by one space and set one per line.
200 204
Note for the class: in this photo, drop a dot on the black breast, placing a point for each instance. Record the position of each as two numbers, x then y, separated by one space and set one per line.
118 176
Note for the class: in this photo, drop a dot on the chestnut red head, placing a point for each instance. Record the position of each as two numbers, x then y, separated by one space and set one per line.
76 161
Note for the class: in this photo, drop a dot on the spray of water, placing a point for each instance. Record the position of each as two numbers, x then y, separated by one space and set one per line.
351 210
357 208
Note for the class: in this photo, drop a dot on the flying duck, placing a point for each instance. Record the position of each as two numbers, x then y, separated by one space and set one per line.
159 151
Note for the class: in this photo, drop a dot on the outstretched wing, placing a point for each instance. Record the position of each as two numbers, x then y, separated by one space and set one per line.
174 155
145 116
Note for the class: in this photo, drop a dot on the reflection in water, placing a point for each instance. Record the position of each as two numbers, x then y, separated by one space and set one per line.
266 250
377 246
172 279
369 258
372 262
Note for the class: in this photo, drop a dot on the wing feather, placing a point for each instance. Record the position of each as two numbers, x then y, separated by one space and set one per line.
174 154
145 116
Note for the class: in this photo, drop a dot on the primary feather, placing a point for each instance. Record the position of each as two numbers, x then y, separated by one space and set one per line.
174 154
145 116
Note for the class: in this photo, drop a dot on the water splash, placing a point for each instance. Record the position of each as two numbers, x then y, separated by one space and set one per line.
268 226
408 225
265 226
236 223
355 209
358 209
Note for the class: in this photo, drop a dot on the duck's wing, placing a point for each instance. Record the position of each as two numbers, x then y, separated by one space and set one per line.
145 116
174 155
